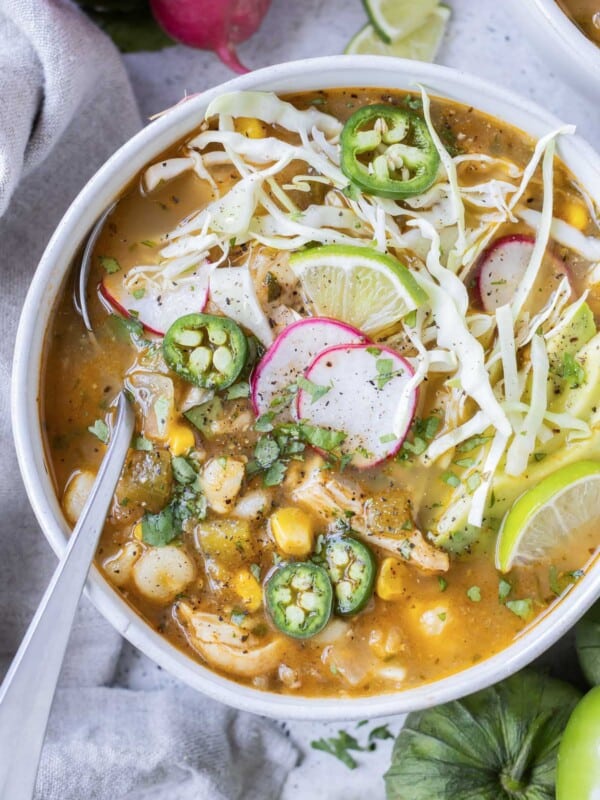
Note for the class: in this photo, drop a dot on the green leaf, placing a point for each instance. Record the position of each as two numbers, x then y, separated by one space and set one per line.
238 390
587 642
443 584
183 471
324 438
130 24
264 423
339 747
451 479
497 744
275 474
522 608
100 430
314 390
109 264
472 443
266 451
382 732
571 371
159 529
504 589
138 293
141 443
474 594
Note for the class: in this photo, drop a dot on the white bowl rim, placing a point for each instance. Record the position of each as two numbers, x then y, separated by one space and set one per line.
575 45
312 74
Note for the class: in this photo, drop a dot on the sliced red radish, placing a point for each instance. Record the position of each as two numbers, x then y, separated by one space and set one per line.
501 267
291 353
157 308
369 398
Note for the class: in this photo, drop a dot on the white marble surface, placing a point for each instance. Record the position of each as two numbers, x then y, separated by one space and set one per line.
481 38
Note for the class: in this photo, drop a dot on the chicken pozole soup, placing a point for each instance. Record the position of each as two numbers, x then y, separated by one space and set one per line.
355 326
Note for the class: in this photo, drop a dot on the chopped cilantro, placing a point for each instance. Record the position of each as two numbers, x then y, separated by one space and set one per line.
109 264
237 391
141 443
522 608
388 437
374 351
381 732
474 594
442 583
339 747
183 471
159 529
323 438
139 293
465 462
266 452
473 481
571 371
275 474
451 479
255 570
472 443
314 390
540 456
411 318
100 430
264 423
504 589
238 616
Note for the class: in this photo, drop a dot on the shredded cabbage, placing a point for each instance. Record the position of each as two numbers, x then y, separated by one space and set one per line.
480 495
565 234
475 426
523 442
232 290
267 107
541 240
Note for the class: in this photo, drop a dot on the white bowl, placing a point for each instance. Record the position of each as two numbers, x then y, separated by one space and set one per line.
560 42
322 73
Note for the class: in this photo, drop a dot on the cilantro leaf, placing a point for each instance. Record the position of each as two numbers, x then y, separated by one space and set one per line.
100 430
313 389
109 264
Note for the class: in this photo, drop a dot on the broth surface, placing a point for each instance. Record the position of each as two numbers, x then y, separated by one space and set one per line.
586 15
438 621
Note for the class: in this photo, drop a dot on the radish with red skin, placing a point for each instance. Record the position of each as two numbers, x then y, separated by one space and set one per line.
157 309
501 267
291 353
366 385
216 25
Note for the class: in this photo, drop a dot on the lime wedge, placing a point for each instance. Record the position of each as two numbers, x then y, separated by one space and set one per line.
420 45
357 285
549 514
395 19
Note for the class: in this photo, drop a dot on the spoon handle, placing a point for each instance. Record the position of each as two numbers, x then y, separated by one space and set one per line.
28 688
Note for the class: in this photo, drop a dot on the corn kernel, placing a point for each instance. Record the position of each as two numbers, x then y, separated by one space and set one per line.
293 531
575 214
249 590
137 531
390 583
181 439
250 127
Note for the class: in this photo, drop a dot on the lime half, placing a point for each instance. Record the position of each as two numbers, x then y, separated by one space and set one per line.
357 285
421 45
549 514
395 19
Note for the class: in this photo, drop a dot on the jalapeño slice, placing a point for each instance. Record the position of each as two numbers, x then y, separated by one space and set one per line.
299 597
206 350
352 568
388 151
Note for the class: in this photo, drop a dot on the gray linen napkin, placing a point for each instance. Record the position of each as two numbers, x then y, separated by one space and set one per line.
65 106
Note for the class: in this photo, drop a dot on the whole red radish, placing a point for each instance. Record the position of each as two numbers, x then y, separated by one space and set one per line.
212 24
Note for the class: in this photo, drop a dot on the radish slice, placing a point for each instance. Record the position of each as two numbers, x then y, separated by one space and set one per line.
369 399
157 308
290 354
502 266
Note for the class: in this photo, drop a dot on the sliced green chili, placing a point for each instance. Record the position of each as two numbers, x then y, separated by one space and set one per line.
352 568
206 350
299 598
388 151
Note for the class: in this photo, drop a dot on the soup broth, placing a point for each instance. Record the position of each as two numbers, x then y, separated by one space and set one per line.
586 15
310 535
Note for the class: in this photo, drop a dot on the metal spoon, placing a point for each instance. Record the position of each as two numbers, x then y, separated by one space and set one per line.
28 688
80 292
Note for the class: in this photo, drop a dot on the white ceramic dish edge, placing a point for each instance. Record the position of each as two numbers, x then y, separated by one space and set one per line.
99 192
559 42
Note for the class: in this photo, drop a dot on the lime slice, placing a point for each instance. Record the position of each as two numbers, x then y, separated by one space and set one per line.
357 285
420 45
395 19
549 514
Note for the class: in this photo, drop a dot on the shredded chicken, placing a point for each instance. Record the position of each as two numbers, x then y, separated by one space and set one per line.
331 498
228 647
